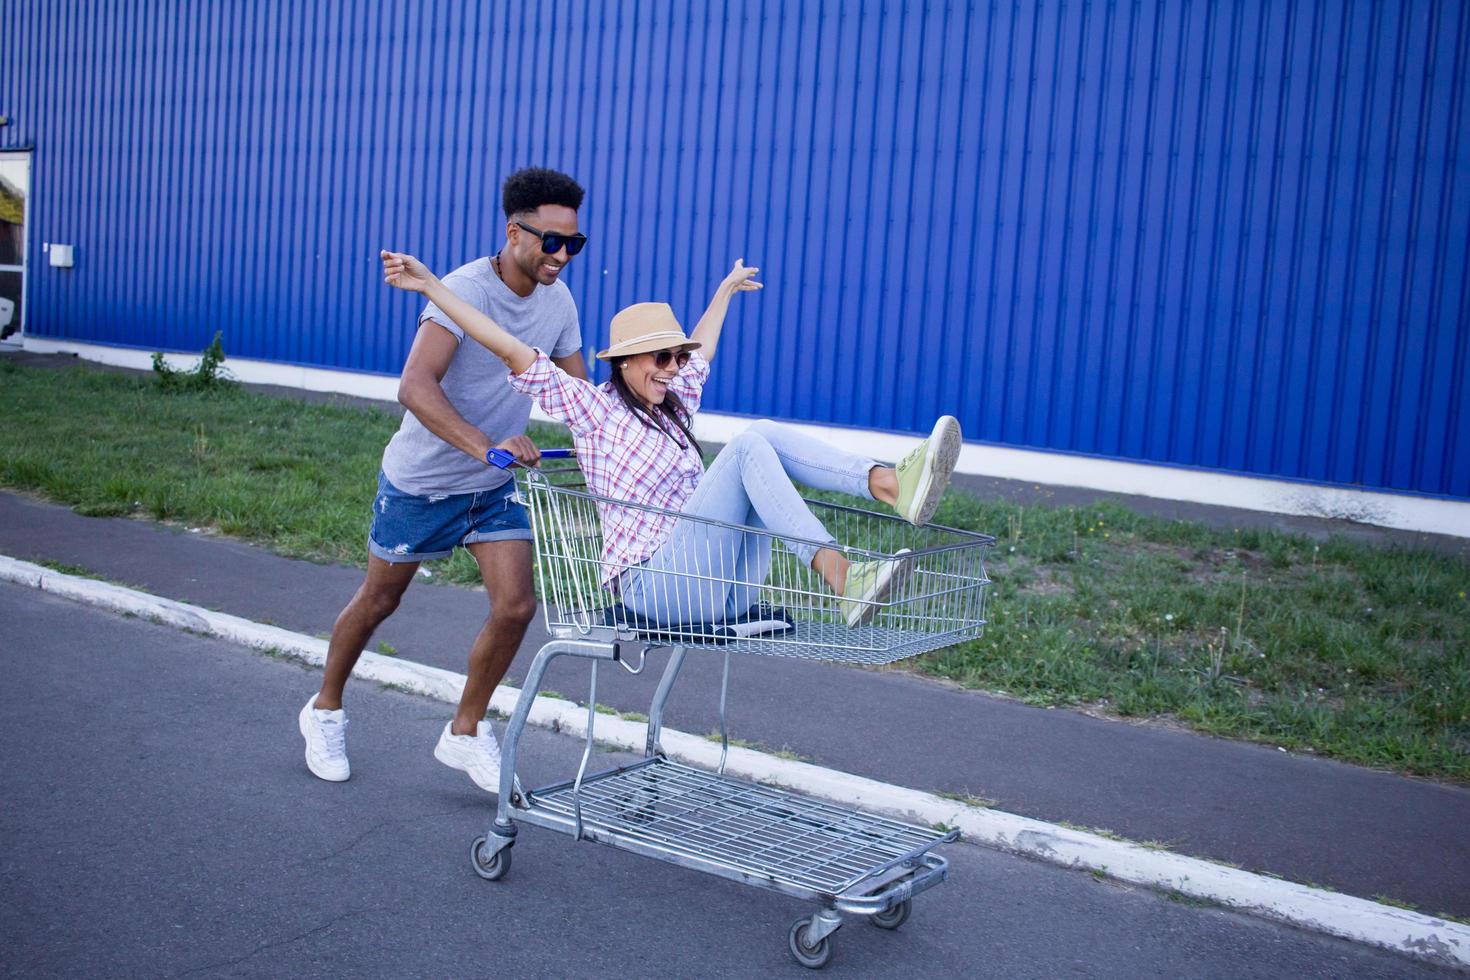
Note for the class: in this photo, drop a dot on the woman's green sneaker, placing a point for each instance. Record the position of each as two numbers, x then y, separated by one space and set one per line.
869 586
923 475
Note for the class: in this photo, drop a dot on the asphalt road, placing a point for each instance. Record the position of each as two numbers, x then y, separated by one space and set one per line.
158 820
1312 820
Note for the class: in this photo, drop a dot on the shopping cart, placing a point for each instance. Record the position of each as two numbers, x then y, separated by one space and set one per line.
845 860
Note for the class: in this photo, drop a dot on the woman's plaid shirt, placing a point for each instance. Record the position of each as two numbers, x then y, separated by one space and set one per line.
622 458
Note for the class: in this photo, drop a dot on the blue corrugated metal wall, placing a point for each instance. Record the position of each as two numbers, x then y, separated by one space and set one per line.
1225 235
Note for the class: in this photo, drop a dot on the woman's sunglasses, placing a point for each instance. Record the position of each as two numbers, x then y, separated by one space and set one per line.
553 242
662 358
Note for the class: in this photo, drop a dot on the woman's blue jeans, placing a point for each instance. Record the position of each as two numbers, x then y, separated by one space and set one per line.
707 573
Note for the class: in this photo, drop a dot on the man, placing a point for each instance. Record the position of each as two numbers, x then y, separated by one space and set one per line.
436 490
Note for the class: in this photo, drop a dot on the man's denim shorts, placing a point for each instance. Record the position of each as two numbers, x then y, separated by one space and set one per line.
407 527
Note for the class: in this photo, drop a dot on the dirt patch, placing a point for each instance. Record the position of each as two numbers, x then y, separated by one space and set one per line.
1046 583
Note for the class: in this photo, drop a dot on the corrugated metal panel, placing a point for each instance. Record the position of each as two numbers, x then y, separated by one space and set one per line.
1214 234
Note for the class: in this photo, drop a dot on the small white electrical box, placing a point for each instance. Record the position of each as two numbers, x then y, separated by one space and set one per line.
61 255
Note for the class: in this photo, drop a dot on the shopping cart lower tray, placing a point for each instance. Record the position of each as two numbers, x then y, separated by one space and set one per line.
847 861
753 830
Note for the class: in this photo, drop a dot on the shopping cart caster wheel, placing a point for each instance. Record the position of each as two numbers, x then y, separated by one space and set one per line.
496 867
811 957
894 917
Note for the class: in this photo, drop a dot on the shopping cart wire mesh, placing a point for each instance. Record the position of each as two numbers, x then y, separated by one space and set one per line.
938 602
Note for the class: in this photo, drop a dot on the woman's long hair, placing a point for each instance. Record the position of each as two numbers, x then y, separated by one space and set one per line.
670 408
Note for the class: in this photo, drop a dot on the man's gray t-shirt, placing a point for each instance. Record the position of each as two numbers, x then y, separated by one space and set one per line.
419 462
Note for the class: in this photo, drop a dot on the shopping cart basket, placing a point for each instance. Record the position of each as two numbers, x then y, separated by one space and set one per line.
843 859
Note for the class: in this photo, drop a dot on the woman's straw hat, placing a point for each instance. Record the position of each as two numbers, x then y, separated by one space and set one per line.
645 327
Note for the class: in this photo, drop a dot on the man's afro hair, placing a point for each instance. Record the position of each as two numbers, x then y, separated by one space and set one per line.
528 189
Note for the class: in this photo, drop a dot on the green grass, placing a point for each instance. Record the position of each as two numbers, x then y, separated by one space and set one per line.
735 743
969 799
67 569
295 476
1344 649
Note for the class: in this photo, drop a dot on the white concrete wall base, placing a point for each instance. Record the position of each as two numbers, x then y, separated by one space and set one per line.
1356 919
357 383
1402 511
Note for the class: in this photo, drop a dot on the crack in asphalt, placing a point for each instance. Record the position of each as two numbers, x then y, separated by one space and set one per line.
274 944
263 947
379 826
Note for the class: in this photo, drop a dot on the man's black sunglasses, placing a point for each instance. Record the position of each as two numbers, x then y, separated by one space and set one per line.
552 242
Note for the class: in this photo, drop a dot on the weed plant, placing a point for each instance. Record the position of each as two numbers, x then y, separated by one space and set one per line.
207 375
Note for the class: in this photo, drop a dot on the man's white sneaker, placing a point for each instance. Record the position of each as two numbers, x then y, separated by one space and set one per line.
326 741
478 755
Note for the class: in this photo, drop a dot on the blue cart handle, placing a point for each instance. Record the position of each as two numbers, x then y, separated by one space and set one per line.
505 459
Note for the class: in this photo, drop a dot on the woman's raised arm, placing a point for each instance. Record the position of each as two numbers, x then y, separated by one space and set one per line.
409 274
707 330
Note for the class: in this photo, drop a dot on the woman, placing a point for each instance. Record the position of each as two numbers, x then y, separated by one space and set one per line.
635 443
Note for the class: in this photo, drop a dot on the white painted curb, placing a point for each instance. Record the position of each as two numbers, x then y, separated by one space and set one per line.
1357 919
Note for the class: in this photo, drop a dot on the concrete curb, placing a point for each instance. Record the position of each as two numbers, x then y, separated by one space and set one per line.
1421 936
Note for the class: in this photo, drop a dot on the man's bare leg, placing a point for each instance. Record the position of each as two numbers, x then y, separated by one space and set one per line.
374 602
505 568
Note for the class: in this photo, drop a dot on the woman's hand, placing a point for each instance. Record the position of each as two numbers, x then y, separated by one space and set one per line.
405 272
408 273
741 279
707 331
